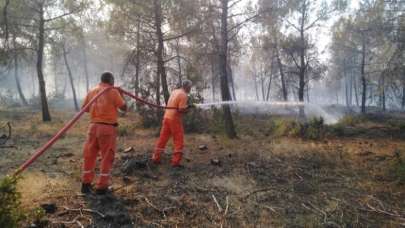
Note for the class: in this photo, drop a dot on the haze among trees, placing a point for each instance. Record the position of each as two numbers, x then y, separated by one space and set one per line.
52 50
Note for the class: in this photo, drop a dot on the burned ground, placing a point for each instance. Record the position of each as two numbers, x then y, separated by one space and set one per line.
258 180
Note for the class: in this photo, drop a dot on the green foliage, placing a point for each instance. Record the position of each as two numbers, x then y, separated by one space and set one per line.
352 120
286 127
10 211
399 172
399 167
196 120
337 130
122 131
313 129
149 117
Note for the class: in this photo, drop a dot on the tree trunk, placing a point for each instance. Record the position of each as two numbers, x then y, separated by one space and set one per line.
363 79
178 61
223 52
282 76
213 77
256 87
72 85
161 71
16 76
356 91
231 82
383 92
46 116
346 84
138 56
269 87
307 84
85 64
5 22
303 67
403 95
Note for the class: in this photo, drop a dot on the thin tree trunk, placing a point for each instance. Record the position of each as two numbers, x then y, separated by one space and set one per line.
282 75
269 88
72 85
308 92
301 88
138 56
231 82
46 116
403 95
383 92
16 76
262 84
178 61
346 83
226 96
256 87
363 78
5 19
161 71
213 77
85 63
356 91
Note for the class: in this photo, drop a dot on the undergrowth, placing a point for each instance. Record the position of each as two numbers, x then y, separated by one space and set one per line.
10 204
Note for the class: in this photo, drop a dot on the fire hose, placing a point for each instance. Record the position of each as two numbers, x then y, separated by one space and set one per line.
77 116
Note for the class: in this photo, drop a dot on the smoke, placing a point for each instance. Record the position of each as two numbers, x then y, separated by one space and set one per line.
330 114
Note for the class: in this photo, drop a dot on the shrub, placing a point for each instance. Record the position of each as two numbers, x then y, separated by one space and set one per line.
313 129
286 127
123 130
10 211
349 120
149 117
196 120
337 130
399 167
399 171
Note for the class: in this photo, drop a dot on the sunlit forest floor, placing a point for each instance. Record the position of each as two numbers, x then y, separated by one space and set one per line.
352 177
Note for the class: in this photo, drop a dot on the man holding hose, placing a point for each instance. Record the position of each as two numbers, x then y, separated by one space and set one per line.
102 134
172 125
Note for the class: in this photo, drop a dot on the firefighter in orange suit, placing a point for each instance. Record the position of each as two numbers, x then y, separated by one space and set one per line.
102 134
172 125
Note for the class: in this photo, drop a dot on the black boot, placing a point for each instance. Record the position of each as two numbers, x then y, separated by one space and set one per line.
86 188
102 191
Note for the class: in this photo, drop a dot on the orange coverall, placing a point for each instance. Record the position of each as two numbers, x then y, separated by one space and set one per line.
102 134
172 126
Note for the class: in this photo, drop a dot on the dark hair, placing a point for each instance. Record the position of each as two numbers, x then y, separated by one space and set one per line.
107 77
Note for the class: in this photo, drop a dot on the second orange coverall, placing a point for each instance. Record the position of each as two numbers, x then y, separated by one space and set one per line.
172 126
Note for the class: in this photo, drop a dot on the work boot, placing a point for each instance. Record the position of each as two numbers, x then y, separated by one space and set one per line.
178 167
86 188
102 191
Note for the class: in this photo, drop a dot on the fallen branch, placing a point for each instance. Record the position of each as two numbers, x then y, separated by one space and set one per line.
216 202
373 209
75 220
226 211
256 191
81 210
163 211
382 209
